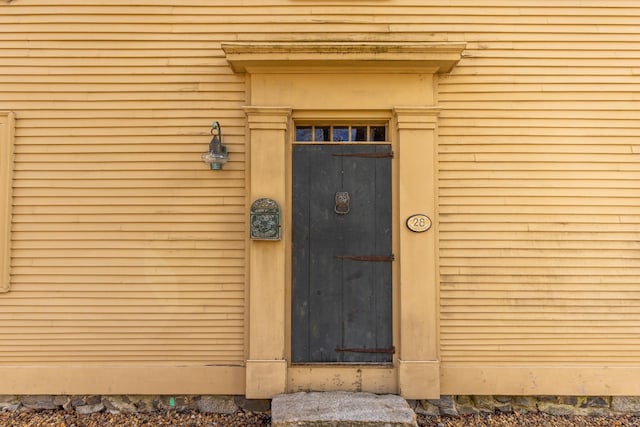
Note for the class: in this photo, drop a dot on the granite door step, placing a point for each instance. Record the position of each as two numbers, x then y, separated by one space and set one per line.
343 409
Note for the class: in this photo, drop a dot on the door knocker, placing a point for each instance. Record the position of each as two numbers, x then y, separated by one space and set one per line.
342 203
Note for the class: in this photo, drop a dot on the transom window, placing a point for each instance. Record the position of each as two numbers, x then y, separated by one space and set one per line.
341 133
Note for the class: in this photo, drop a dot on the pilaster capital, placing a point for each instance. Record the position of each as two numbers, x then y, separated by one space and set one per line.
267 117
416 117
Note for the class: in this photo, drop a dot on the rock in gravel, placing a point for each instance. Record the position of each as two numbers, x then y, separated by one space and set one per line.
556 408
446 404
39 402
596 402
485 404
118 404
253 405
90 409
524 404
424 407
9 403
217 405
465 406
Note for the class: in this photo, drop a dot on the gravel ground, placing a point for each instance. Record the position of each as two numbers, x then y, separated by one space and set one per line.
248 419
160 419
529 420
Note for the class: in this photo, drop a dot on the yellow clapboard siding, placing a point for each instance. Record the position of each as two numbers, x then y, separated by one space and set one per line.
533 344
532 209
505 313
186 194
123 166
77 278
116 307
165 218
452 218
194 123
560 293
151 352
588 277
570 335
540 192
531 253
534 305
100 337
157 287
541 326
566 246
231 197
538 166
588 288
550 121
168 178
153 76
446 176
611 89
129 96
151 260
129 320
26 332
545 182
234 134
135 295
133 244
114 179
511 81
507 262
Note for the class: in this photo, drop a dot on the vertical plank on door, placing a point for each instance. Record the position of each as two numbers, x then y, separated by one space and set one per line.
367 231
324 269
300 351
382 277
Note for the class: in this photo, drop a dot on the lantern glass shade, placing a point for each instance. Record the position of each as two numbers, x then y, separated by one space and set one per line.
216 159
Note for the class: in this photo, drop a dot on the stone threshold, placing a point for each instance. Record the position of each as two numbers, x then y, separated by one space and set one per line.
330 409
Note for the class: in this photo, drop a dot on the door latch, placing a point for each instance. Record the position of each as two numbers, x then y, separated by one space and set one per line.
342 203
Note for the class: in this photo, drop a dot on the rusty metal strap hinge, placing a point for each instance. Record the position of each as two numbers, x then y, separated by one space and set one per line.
365 155
387 258
390 350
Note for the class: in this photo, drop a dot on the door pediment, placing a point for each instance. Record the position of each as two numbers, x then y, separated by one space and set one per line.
344 76
379 57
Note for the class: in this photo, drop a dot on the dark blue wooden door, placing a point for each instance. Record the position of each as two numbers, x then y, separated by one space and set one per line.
341 292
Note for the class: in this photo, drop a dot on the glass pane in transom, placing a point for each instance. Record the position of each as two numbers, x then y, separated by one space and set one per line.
341 133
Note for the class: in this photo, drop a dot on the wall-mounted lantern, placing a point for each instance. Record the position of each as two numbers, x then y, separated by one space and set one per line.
217 154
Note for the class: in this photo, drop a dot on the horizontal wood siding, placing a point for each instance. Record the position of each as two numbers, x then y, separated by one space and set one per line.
127 249
540 188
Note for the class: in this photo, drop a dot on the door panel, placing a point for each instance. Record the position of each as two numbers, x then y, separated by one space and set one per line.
341 304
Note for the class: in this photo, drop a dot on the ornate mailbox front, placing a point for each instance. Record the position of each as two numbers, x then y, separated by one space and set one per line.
265 220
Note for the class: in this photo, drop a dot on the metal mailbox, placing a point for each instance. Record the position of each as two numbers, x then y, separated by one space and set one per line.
265 220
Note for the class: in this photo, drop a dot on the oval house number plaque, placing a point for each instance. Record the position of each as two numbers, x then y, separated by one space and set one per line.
418 223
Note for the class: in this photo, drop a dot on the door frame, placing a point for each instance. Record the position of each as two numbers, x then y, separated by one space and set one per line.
391 250
375 378
283 79
370 377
